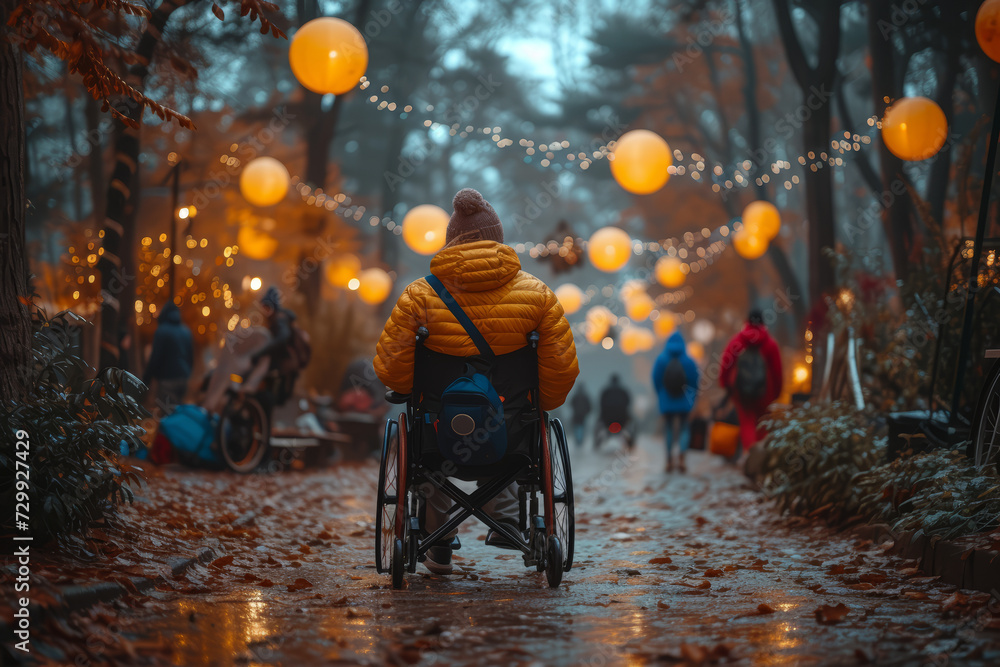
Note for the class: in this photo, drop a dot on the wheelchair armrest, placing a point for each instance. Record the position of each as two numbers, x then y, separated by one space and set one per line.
398 399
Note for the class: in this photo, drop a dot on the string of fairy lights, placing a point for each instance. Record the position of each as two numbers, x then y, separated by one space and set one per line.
691 252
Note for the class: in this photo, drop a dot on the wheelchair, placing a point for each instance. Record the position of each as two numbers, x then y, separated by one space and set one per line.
412 467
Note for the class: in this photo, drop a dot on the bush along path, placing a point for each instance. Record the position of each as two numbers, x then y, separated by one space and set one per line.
829 462
696 569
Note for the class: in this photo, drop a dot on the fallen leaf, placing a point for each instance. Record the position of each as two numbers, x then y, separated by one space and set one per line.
662 560
827 615
955 602
222 562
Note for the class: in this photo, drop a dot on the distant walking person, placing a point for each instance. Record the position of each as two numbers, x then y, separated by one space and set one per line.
751 373
675 377
581 405
615 413
172 358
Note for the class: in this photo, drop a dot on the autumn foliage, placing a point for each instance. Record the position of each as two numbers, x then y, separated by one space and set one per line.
79 34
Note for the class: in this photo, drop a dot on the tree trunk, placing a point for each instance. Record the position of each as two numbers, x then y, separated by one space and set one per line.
416 23
819 202
95 160
817 94
15 319
774 252
940 176
896 215
319 135
116 279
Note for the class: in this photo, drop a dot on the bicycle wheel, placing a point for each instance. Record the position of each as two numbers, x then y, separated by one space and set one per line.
986 423
390 510
244 433
562 493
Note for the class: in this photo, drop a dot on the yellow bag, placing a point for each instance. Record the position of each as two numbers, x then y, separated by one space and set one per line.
724 439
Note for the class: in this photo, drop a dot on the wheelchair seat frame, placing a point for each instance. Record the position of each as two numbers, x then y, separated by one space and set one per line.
412 468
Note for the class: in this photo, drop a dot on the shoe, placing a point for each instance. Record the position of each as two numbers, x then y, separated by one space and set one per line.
500 541
438 560
670 464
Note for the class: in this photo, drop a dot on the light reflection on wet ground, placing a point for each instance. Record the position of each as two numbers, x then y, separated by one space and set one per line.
717 554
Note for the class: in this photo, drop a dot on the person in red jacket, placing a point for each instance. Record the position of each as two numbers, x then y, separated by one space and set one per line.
751 373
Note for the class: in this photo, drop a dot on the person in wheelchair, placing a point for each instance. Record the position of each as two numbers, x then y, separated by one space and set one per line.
615 416
484 279
283 368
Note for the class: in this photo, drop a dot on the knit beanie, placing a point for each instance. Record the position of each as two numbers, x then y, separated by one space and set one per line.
473 220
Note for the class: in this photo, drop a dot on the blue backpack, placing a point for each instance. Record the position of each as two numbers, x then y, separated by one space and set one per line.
191 431
471 430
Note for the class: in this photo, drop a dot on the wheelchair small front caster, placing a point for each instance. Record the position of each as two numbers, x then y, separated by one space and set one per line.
553 561
398 567
538 542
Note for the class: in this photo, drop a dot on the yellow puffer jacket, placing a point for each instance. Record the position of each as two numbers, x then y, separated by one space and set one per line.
506 304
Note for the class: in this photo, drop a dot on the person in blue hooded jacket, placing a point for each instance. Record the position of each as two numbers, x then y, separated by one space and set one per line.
675 377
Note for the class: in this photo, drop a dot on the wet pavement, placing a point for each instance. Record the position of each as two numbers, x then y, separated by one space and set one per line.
688 569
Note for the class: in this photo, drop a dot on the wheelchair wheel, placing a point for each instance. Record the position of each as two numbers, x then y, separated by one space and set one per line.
244 433
562 493
986 422
553 561
390 509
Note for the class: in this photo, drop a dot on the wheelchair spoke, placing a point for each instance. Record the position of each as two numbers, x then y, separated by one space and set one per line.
388 534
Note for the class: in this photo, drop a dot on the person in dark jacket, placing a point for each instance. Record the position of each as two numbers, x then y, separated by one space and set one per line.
282 364
172 358
615 414
675 377
581 405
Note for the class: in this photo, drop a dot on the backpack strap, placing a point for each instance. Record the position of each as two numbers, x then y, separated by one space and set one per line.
461 316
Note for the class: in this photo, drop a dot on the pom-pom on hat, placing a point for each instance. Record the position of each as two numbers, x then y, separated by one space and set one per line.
473 220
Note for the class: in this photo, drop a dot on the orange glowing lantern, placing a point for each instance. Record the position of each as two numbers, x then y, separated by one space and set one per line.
640 162
664 325
256 244
637 339
639 306
609 249
670 272
424 228
341 270
328 56
570 297
988 29
914 128
264 181
748 244
374 285
598 324
762 218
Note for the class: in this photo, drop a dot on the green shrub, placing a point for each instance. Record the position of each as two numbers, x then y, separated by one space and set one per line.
829 461
813 454
940 492
75 428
